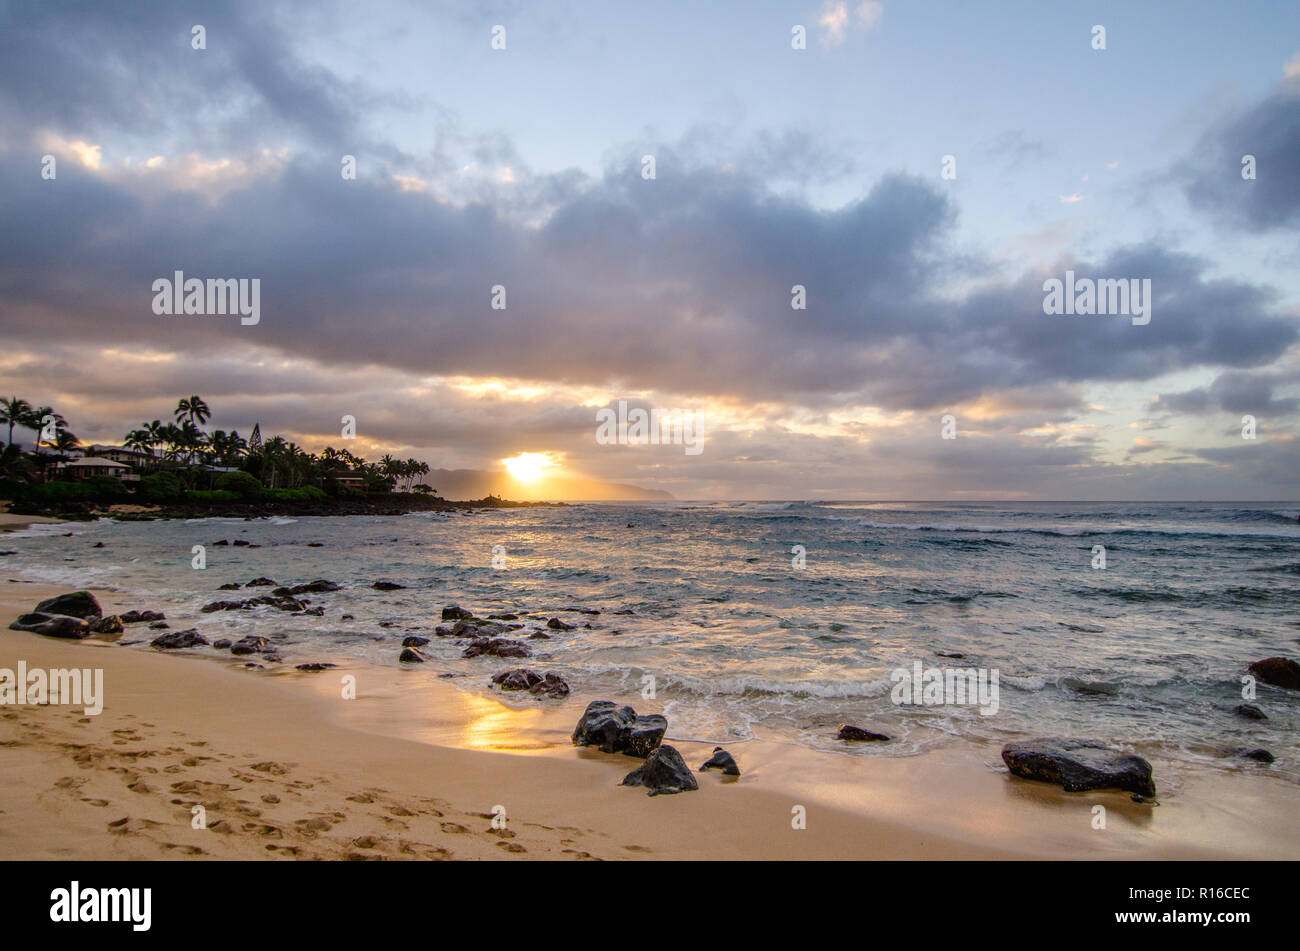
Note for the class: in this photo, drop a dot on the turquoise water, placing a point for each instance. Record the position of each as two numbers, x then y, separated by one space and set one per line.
704 597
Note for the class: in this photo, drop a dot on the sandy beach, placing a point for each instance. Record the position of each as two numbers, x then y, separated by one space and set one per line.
415 769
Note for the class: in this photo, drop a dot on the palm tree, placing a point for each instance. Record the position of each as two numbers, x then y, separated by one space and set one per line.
195 409
14 411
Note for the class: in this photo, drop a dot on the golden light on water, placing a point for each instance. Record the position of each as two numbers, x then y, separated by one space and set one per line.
528 466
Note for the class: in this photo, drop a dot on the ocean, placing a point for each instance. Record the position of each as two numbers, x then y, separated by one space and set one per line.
707 599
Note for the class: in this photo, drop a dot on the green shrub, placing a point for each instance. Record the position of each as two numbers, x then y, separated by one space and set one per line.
160 488
108 488
243 484
308 493
54 492
211 495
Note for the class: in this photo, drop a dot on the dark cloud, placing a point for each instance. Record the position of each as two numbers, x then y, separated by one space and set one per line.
1270 131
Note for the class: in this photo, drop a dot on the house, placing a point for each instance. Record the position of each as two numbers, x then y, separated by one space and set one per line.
95 466
129 457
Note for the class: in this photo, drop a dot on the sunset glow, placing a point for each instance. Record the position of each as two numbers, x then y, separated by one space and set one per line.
528 466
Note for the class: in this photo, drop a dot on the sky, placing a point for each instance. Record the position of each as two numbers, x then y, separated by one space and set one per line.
919 168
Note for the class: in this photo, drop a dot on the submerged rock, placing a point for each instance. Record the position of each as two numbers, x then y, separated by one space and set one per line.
454 612
52 625
1259 755
859 735
230 586
1250 711
261 583
252 644
1278 671
1079 765
80 604
619 729
411 655
317 665
722 760
521 678
555 624
387 586
179 639
221 644
664 771
497 647
310 587
414 641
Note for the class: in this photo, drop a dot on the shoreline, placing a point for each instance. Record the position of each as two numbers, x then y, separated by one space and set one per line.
364 778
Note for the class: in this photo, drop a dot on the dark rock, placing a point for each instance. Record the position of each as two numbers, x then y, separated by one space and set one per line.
955 655
52 625
254 666
135 617
1278 671
664 771
212 606
222 542
618 729
158 625
521 678
179 639
503 617
722 760
317 665
1250 711
387 586
411 655
539 636
251 644
414 641
271 657
497 647
230 586
261 583
346 617
555 624
312 612
97 545
80 604
242 544
1078 765
442 630
311 587
551 685
454 613
859 735
108 625
221 644
315 544
1259 755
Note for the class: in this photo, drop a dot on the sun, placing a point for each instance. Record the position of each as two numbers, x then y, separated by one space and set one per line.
528 466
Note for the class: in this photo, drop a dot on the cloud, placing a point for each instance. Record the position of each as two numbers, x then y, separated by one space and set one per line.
1270 131
835 20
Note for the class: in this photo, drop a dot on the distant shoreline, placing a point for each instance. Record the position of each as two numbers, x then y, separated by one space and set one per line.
371 505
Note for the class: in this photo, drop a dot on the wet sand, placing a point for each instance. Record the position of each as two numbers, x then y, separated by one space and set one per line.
285 767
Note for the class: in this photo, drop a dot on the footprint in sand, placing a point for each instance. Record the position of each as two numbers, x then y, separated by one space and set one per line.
274 769
453 827
271 799
511 846
96 802
183 849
